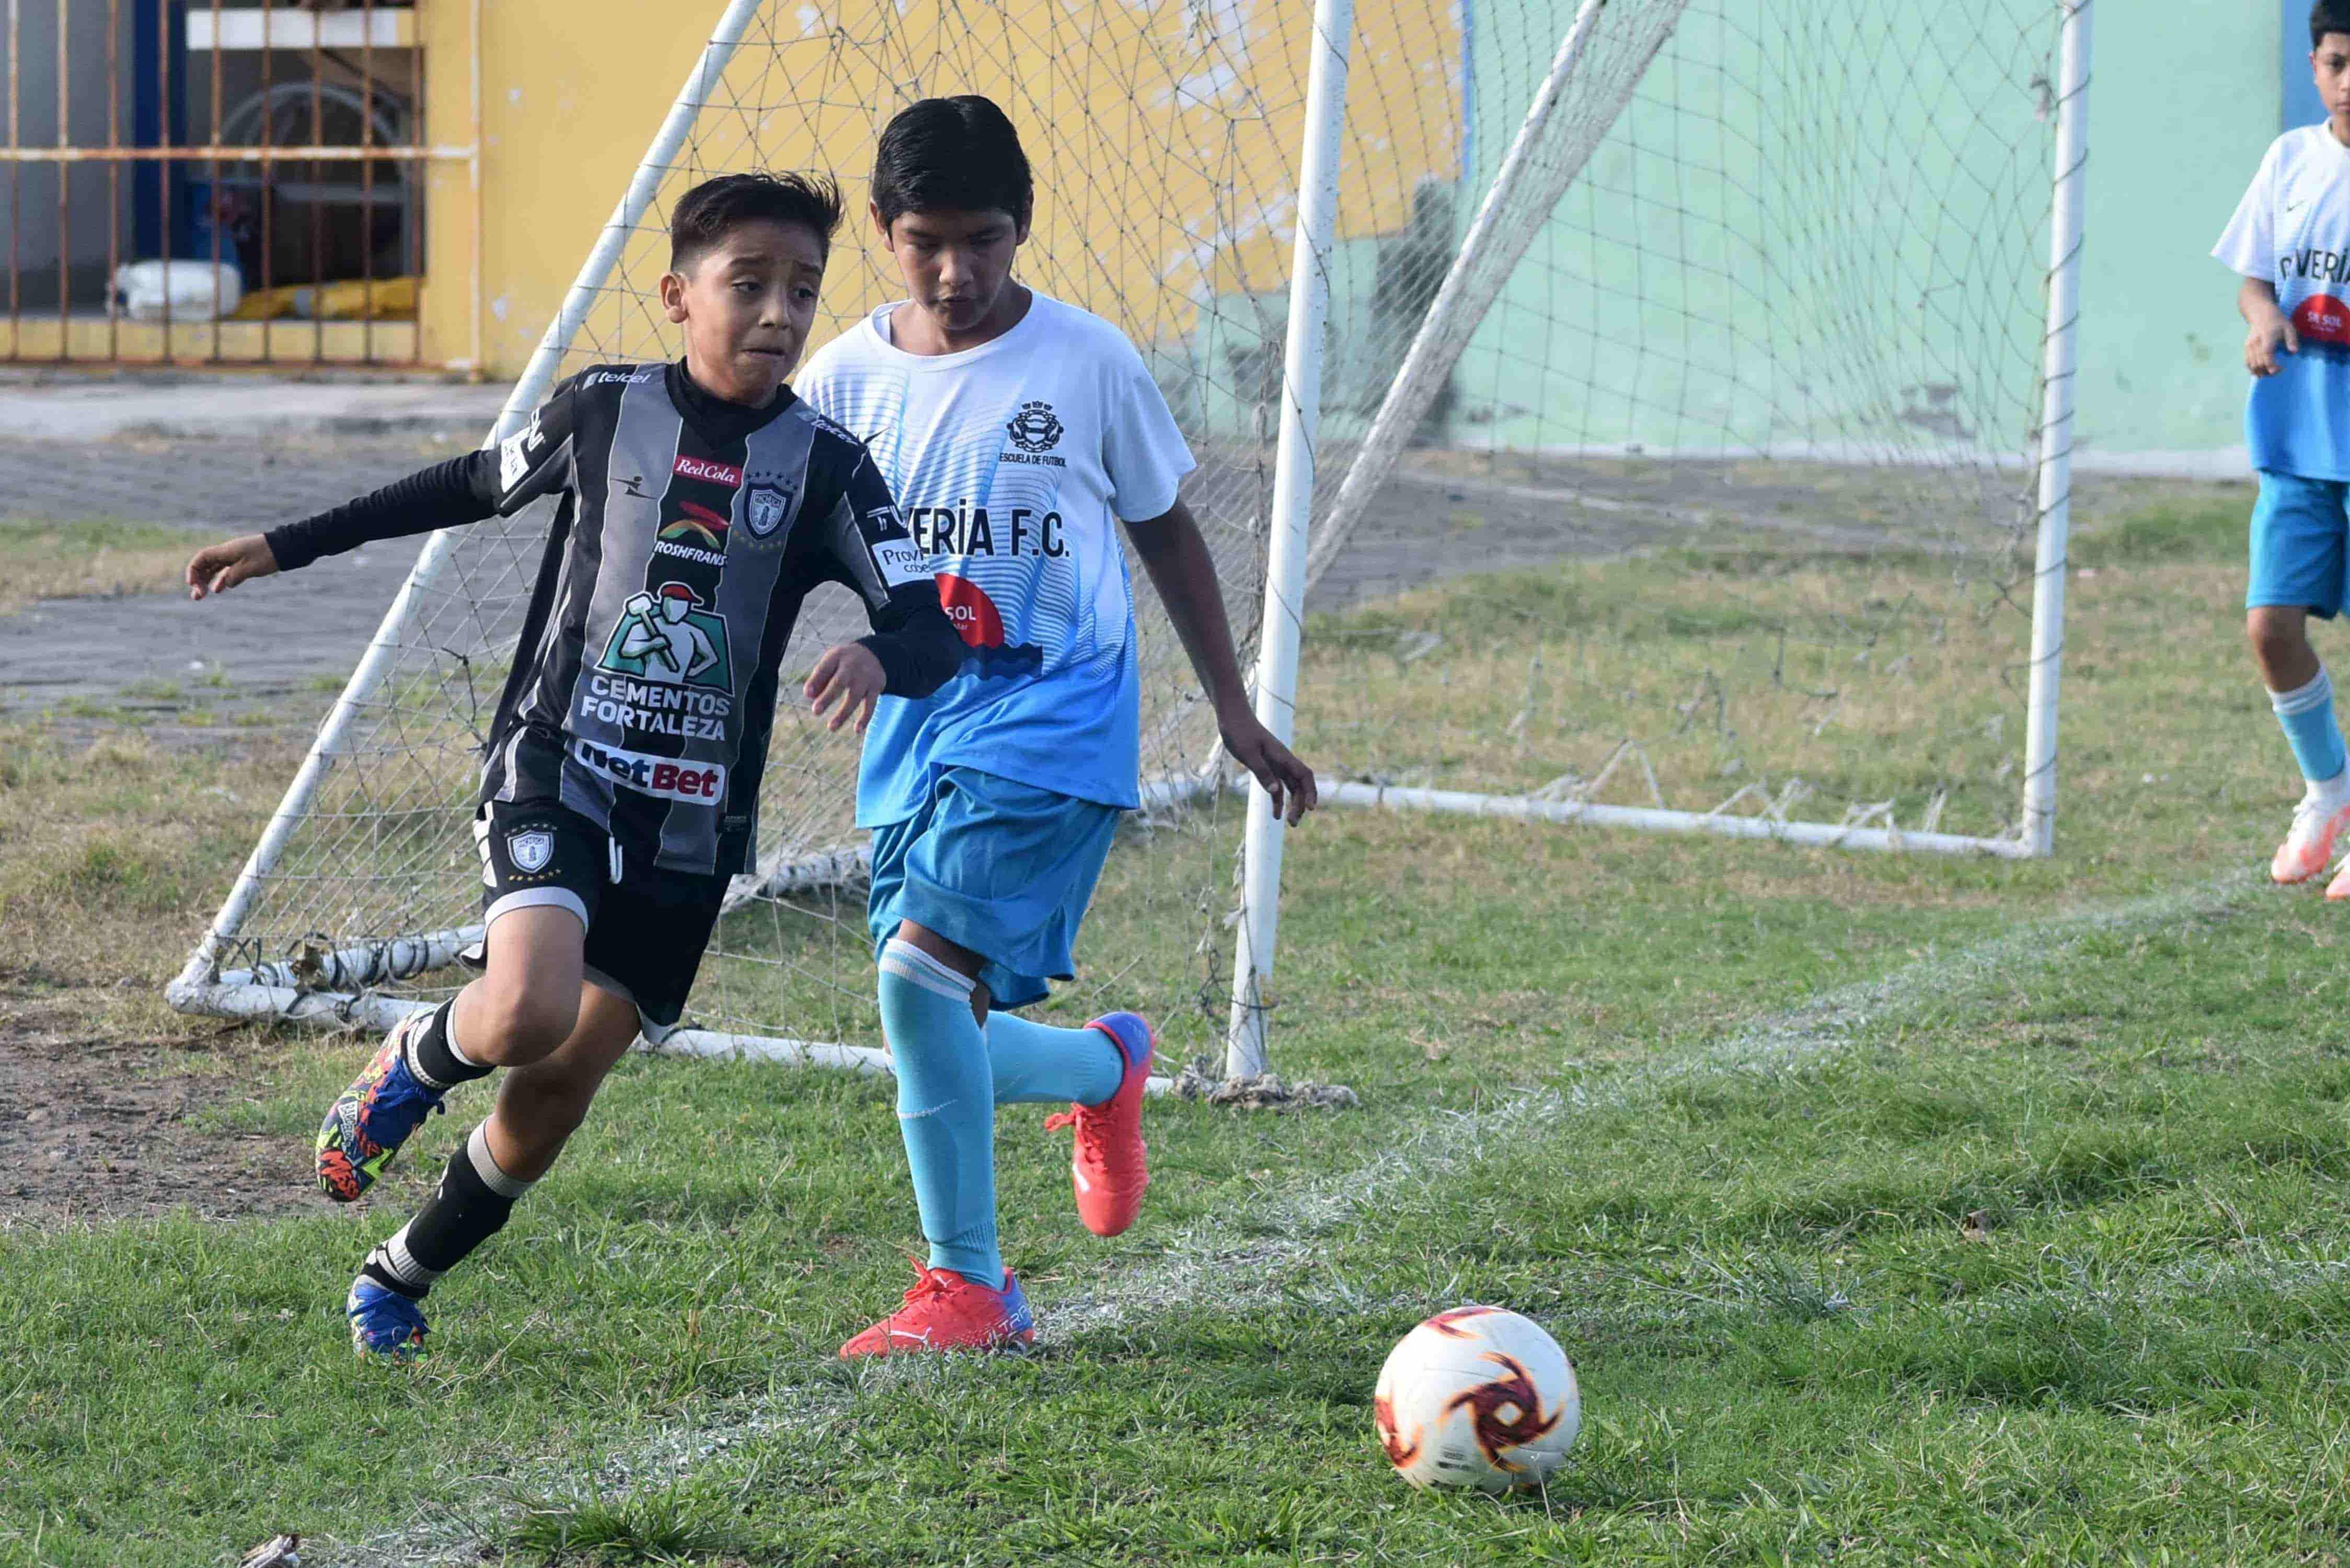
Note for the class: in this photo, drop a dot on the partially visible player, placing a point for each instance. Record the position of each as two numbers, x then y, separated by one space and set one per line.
1019 432
2290 240
700 502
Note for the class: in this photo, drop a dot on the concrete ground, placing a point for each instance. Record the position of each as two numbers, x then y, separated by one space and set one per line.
216 454
232 454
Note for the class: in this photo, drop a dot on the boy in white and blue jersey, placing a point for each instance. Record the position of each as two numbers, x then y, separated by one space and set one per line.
2290 240
1017 432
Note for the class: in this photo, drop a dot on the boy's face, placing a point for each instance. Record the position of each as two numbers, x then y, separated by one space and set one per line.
2329 64
747 305
955 263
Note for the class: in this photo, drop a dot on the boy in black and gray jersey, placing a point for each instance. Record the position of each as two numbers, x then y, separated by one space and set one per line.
700 503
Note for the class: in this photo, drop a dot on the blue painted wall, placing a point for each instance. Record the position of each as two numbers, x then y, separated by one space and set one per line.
2300 103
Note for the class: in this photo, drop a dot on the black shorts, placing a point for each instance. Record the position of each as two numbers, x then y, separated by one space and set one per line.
646 928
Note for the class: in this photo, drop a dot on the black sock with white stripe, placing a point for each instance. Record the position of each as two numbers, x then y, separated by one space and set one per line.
434 1056
471 1205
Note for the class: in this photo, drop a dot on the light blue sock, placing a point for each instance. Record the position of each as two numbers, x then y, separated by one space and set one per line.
946 1110
1036 1063
2307 714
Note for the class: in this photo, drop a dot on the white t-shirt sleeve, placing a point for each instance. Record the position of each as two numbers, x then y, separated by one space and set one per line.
1143 452
2247 246
817 382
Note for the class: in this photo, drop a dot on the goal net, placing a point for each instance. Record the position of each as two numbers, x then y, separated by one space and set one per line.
1715 329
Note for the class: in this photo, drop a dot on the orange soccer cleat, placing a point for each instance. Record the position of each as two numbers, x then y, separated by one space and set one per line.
1109 1169
2317 823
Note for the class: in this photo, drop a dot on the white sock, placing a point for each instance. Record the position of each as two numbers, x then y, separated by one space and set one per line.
449 1038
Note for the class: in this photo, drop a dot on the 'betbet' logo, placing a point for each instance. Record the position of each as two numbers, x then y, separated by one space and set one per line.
2322 319
700 783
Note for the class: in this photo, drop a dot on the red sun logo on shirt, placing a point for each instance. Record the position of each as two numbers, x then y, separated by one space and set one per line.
976 619
2322 319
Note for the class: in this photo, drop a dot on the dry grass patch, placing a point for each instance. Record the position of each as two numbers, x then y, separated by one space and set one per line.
1816 686
113 852
76 560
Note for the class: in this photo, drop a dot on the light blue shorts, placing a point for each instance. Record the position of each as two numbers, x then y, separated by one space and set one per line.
1003 868
2298 553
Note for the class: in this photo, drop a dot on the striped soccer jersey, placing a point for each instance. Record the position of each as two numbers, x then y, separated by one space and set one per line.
687 533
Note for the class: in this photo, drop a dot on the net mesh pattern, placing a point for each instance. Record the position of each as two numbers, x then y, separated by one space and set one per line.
1766 375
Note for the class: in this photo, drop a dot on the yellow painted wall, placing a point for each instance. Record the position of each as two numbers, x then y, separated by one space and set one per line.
1164 135
572 90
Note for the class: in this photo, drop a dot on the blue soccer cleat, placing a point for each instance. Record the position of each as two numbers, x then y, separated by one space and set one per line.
370 1119
383 1322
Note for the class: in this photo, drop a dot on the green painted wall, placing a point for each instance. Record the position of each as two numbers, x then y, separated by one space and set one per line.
2183 102
1825 228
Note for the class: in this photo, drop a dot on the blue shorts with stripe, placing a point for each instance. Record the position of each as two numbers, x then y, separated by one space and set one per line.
1003 868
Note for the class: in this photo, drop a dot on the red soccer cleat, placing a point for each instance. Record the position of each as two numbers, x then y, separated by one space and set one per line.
946 1311
1109 1170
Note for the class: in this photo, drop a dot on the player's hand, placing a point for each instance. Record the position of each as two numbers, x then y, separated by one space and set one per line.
2273 331
850 676
1287 781
216 568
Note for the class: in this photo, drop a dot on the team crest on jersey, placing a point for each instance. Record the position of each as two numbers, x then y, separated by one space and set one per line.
763 510
531 849
667 636
1035 428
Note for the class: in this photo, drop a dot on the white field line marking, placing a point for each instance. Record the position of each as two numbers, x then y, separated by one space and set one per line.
1212 1265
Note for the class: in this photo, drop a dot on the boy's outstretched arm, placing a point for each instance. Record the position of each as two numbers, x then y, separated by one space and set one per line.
534 461
1183 572
216 568
446 496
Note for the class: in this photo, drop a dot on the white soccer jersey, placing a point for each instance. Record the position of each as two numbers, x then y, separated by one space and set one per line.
2293 230
1014 462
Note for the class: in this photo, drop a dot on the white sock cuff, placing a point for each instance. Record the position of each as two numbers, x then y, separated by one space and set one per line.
2316 693
477 1151
449 1035
394 1257
912 964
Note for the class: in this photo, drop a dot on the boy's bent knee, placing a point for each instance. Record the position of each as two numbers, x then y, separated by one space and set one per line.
530 1024
541 1109
2278 636
2268 624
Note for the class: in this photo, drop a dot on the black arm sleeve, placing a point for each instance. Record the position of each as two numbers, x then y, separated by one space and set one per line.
919 649
535 460
872 552
446 496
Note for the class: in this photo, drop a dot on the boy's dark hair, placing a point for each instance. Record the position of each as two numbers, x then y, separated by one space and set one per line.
706 214
952 154
2327 16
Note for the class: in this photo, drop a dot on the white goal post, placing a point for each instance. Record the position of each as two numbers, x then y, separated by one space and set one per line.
1570 226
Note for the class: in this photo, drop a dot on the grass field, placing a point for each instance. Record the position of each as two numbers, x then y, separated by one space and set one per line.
1893 1208
55 560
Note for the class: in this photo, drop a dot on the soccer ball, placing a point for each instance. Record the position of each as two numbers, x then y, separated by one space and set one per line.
1476 1396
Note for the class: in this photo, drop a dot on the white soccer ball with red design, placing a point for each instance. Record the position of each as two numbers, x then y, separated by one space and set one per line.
1476 1396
